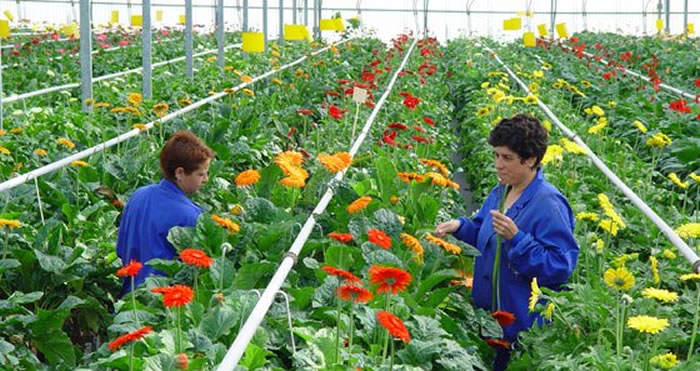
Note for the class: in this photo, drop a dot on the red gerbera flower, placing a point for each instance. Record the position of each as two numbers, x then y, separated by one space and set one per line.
347 276
504 318
389 138
336 112
498 343
341 237
411 102
379 238
304 111
429 121
418 128
389 278
419 139
196 257
130 269
132 336
343 81
606 76
405 94
333 93
397 125
175 296
394 325
367 76
355 293
375 62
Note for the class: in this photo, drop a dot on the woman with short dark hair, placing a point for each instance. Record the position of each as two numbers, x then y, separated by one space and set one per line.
154 209
536 228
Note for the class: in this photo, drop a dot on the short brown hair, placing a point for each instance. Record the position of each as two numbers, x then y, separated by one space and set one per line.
185 150
522 134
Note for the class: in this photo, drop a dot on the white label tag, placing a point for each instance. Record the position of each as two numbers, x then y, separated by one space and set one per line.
359 95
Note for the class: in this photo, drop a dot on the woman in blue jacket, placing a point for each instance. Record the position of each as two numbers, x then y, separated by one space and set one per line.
152 210
536 228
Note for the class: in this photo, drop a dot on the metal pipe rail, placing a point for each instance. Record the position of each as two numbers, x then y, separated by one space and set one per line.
16 181
14 98
244 336
636 74
689 254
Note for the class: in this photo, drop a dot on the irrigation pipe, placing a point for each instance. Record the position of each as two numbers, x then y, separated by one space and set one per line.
235 352
660 223
14 182
14 98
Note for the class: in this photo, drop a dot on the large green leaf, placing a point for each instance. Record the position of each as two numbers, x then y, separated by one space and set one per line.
181 237
386 174
420 353
218 322
454 357
254 357
302 296
433 280
387 221
255 275
376 255
49 338
208 235
50 263
260 210
428 208
425 328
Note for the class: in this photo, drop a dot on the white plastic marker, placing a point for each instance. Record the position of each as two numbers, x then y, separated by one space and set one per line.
235 352
359 96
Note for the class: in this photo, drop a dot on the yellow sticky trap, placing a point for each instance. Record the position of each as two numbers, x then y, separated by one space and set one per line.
137 20
512 24
295 32
115 16
70 30
339 26
159 15
691 29
182 19
327 25
9 15
253 42
4 28
306 34
659 24
529 39
542 30
530 14
561 30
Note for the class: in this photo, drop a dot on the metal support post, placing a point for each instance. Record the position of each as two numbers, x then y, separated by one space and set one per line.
128 11
85 55
245 15
220 32
294 11
188 40
685 18
425 18
146 37
265 22
281 36
306 13
317 30
668 16
552 15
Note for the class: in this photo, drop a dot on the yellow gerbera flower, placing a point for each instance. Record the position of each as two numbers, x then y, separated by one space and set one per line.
572 147
535 293
694 177
640 126
78 163
246 78
677 181
554 153
134 99
648 324
40 152
689 230
10 223
660 294
414 244
619 279
665 361
336 162
690 276
587 216
449 247
66 143
659 140
669 254
4 150
548 311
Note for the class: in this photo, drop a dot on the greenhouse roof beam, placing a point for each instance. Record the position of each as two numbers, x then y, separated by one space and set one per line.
18 180
689 254
258 313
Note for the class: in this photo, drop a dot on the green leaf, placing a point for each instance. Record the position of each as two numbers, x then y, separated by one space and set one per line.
454 357
435 279
181 237
254 357
169 267
350 256
49 338
217 270
420 353
302 296
439 295
22 298
208 235
325 293
218 322
426 328
160 362
376 255
71 302
50 263
428 208
386 174
260 210
387 221
7 264
255 275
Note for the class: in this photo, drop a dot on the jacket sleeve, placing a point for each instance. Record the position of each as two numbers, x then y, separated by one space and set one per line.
469 228
550 252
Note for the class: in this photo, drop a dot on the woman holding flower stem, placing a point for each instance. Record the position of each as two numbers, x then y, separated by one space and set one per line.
535 227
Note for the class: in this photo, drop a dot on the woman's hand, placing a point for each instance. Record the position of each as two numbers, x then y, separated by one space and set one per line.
503 225
447 227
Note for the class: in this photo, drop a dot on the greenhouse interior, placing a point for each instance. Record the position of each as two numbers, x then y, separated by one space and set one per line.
349 185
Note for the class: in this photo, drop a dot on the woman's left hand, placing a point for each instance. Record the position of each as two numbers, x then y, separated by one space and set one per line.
503 225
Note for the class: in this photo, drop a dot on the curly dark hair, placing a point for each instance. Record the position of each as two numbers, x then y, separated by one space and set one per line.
186 150
522 134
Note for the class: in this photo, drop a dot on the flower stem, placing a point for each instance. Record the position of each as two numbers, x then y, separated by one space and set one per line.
133 301
131 357
391 363
695 324
179 332
496 271
352 324
386 337
338 308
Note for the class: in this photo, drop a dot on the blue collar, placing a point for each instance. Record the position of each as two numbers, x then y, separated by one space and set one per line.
529 191
171 187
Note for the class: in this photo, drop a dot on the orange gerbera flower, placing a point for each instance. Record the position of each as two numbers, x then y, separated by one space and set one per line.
379 238
355 293
227 223
449 247
341 237
335 163
389 278
347 276
132 336
467 280
437 179
394 325
196 257
292 181
290 158
437 165
247 178
130 269
359 204
408 177
175 296
498 343
504 318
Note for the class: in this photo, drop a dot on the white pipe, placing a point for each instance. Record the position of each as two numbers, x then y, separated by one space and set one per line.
633 73
244 336
14 182
52 89
665 228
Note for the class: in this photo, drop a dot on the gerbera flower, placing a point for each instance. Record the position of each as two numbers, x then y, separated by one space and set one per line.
115 344
419 139
10 223
397 125
412 242
355 293
689 230
408 177
40 152
131 269
134 99
336 112
660 294
66 143
535 293
160 109
336 162
504 318
449 247
246 178
429 121
648 324
289 158
548 311
389 278
379 238
341 237
246 78
305 111
359 204
498 343
79 163
411 102
227 223
175 296
619 279
394 325
665 361
587 216
659 140
196 257
677 181
293 182
347 276
437 165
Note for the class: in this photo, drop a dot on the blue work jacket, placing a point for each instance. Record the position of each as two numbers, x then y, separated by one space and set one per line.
544 247
148 216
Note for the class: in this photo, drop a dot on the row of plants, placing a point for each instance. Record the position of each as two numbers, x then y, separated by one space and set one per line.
631 303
